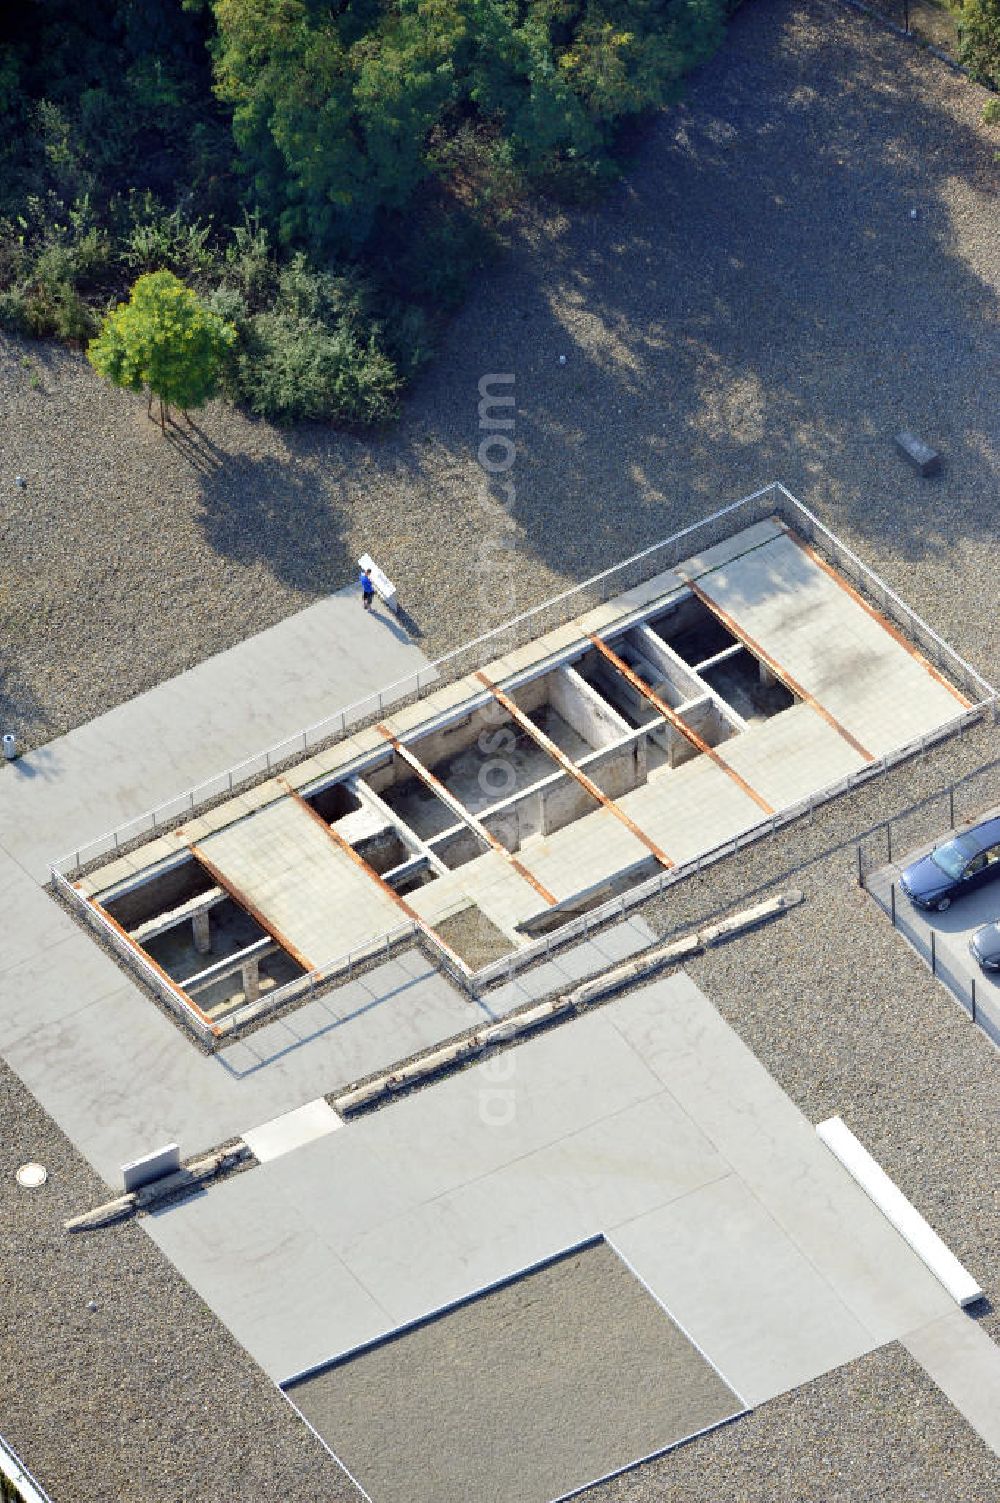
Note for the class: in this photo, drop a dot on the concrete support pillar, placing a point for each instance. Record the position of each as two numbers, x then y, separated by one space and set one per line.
251 980
674 742
202 932
543 816
767 678
640 761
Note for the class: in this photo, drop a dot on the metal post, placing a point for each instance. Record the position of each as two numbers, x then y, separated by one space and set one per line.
888 837
933 953
861 876
973 999
892 902
951 805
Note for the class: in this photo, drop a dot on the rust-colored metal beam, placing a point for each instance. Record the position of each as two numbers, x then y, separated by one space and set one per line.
359 861
672 718
239 896
528 725
174 986
870 610
776 668
436 786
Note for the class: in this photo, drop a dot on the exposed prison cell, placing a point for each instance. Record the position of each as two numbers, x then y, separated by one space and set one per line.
485 778
201 938
543 787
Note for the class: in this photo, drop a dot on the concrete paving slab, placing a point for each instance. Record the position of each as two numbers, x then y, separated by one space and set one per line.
775 1151
605 1124
60 979
820 634
310 891
791 756
583 853
746 541
364 1026
691 808
532 1206
766 1315
256 1270
965 1364
190 728
32 921
292 1130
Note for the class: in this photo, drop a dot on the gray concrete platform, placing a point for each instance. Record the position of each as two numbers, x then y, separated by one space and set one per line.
814 628
120 1078
217 714
647 1120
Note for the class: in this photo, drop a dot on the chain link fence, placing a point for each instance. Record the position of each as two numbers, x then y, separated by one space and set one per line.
928 821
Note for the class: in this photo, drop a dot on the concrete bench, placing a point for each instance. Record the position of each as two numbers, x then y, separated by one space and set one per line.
384 586
924 459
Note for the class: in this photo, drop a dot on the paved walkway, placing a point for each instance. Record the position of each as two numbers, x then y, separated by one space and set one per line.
647 1120
192 727
118 1076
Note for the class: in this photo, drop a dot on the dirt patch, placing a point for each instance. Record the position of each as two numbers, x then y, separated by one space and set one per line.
472 936
538 1387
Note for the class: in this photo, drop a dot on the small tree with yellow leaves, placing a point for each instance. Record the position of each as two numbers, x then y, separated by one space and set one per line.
164 341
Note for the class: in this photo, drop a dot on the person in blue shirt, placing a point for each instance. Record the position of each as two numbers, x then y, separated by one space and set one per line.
367 589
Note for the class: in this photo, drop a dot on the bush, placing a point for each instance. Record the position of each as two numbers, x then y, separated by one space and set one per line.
293 367
979 39
161 241
47 272
249 264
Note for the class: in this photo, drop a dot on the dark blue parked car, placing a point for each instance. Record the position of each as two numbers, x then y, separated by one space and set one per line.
955 868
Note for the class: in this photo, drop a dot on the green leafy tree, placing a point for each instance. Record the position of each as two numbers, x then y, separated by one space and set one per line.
979 39
163 340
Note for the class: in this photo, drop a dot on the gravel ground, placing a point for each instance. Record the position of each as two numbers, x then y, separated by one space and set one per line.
699 365
877 1430
146 1398
577 1361
753 302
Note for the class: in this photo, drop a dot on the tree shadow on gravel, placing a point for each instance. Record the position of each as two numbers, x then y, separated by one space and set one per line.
272 510
194 445
758 302
754 302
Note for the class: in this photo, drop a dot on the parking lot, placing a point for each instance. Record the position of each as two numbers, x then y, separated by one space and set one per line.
942 939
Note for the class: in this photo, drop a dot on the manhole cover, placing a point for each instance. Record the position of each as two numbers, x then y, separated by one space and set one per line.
32 1175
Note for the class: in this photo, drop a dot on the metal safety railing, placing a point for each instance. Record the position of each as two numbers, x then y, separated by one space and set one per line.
584 926
517 632
17 1485
772 500
977 997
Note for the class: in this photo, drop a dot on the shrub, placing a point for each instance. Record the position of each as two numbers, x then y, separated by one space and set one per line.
161 241
293 368
979 39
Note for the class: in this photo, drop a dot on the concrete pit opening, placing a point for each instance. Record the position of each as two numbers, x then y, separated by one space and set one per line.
205 942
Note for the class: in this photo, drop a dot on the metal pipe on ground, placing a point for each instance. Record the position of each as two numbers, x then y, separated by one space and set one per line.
674 952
